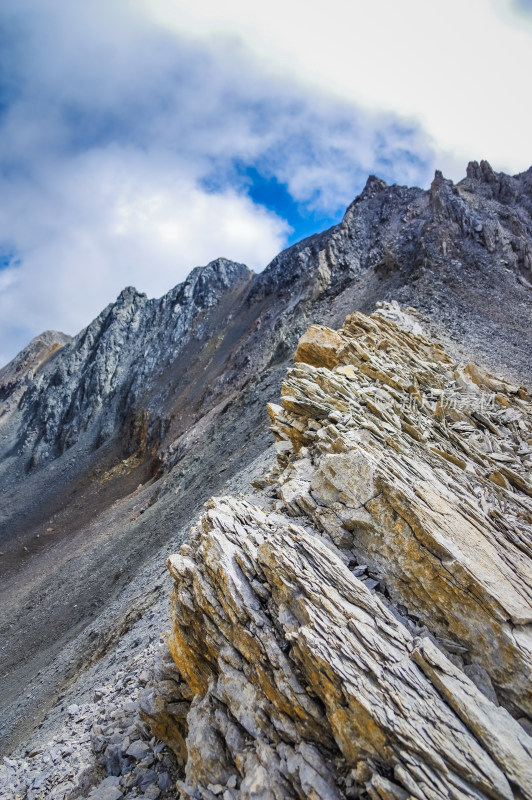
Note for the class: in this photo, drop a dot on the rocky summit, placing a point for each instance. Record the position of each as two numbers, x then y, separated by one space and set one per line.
350 611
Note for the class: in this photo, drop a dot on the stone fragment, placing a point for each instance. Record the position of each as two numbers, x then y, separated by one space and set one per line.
346 478
138 750
319 347
113 759
111 780
106 793
164 781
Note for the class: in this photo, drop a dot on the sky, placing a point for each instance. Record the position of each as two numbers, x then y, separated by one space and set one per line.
141 138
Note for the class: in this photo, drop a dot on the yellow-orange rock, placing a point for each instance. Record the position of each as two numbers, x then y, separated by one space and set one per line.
367 632
319 346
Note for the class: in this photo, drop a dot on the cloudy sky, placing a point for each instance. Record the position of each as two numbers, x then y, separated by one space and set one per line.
140 138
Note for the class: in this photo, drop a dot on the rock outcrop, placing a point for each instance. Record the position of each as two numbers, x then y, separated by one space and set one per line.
362 627
17 376
105 439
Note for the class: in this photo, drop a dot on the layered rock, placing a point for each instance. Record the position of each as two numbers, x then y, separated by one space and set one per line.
108 441
421 468
362 627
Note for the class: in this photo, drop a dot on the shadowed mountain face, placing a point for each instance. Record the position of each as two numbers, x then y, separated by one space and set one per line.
110 441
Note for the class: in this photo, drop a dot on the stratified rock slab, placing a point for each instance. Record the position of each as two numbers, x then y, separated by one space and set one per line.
297 665
421 467
355 636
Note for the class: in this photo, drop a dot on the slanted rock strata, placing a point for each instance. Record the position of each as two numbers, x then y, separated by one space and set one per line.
156 393
362 629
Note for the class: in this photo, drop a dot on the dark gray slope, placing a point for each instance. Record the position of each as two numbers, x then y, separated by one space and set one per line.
17 376
111 445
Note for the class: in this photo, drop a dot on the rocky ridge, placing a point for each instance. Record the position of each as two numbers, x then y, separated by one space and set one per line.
104 449
356 628
100 378
365 633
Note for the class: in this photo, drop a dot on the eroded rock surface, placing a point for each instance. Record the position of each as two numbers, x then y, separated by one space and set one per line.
106 442
105 749
362 628
17 376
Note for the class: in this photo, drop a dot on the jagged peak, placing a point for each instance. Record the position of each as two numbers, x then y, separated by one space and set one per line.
204 285
24 366
223 268
373 186
440 180
52 337
441 194
45 341
128 295
221 264
481 172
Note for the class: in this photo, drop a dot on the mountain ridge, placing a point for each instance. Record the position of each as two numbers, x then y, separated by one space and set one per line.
147 400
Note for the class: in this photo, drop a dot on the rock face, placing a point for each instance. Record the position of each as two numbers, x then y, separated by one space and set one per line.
17 376
107 440
362 628
103 376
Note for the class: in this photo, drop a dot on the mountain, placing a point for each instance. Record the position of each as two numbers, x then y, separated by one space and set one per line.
110 442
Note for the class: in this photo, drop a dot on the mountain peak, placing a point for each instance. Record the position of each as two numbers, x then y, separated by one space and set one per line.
481 172
129 295
373 186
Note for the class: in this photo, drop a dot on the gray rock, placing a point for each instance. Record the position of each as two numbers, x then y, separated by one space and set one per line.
111 780
138 750
482 681
113 760
152 792
232 782
164 781
106 793
147 779
129 780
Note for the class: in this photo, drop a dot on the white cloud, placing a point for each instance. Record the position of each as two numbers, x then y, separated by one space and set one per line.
112 220
123 155
116 117
461 69
126 129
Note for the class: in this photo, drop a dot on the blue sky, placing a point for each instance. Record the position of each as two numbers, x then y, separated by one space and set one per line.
141 138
